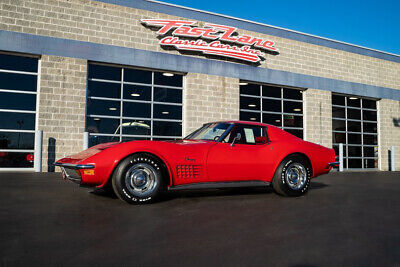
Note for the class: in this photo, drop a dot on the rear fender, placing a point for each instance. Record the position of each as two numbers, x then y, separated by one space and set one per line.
317 155
284 150
306 157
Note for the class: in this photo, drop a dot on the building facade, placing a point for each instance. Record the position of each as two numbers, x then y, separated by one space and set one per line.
130 70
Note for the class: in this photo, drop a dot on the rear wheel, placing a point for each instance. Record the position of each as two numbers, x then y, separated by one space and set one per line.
139 179
292 178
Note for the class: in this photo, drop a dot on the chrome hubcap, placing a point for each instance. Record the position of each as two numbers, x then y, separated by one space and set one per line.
296 176
140 179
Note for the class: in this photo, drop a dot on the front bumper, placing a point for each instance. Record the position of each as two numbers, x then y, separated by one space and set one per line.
72 171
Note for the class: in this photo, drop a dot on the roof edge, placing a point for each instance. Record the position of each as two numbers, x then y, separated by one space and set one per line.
271 26
243 24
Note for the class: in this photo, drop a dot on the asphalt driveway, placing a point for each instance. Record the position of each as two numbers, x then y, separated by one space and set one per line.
350 219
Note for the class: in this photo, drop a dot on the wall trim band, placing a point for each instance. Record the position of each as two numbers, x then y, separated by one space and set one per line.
44 45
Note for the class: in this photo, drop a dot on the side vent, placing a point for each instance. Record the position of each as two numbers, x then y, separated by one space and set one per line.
188 171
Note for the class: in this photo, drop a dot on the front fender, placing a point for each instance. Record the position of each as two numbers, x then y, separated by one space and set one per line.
107 161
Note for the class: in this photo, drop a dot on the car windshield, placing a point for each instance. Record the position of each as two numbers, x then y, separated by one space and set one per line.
209 131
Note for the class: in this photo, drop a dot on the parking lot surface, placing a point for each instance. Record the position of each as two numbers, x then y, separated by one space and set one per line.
346 219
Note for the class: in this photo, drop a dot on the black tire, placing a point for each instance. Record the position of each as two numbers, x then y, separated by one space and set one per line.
139 178
292 178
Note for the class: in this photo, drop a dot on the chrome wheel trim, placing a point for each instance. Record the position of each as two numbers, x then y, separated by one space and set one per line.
140 179
296 176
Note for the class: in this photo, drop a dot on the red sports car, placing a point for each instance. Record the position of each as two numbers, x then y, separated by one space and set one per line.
217 155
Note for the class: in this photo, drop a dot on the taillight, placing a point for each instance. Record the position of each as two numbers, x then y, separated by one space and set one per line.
30 157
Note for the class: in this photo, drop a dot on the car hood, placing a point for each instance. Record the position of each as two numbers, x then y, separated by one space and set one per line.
85 154
187 141
75 158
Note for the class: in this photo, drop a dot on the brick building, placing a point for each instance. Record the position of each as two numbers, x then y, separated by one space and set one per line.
74 66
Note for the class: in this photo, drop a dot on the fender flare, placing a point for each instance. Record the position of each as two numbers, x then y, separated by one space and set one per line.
300 154
155 154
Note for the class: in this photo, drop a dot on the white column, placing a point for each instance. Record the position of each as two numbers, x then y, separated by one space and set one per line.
37 159
85 140
341 157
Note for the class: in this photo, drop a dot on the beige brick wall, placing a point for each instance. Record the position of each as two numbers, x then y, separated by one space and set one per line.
317 107
209 98
62 100
388 132
87 20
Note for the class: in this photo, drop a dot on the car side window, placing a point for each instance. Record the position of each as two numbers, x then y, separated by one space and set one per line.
250 135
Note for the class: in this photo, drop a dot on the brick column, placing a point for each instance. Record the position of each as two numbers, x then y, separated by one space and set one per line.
209 98
388 132
62 100
318 116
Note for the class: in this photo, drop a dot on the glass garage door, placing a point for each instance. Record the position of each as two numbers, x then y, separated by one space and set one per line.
126 104
354 123
282 107
18 91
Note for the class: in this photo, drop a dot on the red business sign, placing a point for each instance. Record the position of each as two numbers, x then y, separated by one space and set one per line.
212 39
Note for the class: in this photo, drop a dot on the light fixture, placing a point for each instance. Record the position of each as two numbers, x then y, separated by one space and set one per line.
297 109
96 119
165 112
112 108
168 74
252 119
277 120
141 121
135 94
353 98
252 105
243 83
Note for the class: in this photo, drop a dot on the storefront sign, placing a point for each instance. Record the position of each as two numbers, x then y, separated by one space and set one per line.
212 39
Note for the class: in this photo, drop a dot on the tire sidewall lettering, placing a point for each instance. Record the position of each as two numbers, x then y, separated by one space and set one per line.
124 192
284 171
283 180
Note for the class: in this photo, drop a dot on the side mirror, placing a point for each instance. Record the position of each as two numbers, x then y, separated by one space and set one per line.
238 137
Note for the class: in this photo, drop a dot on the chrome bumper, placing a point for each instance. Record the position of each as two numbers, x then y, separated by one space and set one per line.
74 166
334 164
71 171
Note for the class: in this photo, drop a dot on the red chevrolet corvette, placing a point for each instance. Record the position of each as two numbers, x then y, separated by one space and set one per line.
217 155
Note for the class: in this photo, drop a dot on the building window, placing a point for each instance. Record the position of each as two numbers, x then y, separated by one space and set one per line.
275 105
354 123
125 104
18 93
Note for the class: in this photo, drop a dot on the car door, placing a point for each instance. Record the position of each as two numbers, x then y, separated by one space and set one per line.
246 159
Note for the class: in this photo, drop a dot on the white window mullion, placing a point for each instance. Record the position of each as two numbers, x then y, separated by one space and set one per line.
152 106
121 104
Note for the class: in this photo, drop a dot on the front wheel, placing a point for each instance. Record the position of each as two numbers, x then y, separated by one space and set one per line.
138 179
292 178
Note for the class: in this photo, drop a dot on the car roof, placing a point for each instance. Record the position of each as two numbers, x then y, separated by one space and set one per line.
245 122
